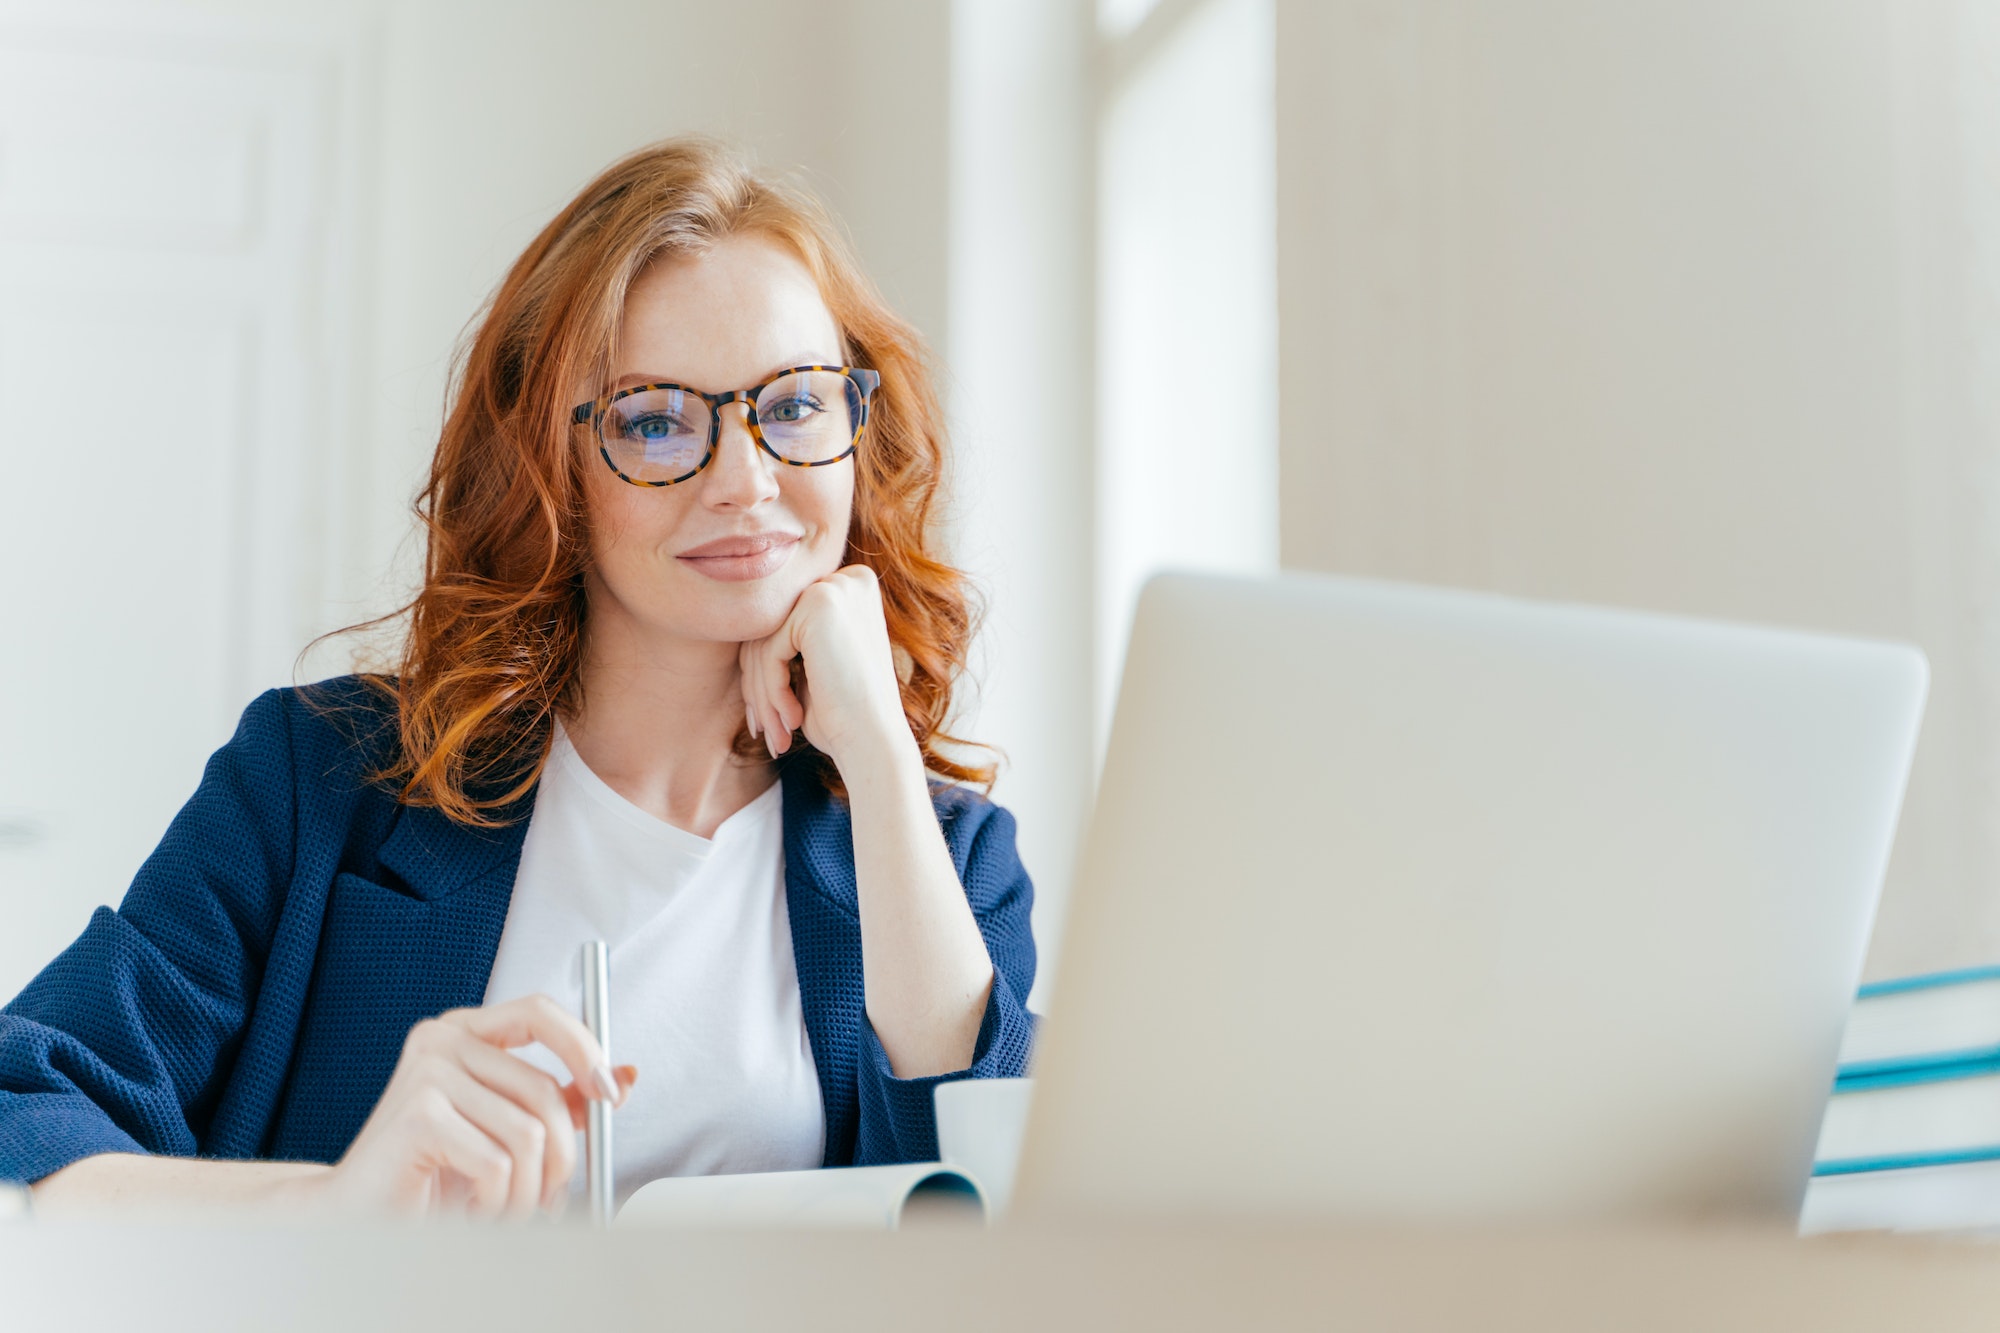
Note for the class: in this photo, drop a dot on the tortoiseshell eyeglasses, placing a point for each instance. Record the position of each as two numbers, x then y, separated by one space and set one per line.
660 434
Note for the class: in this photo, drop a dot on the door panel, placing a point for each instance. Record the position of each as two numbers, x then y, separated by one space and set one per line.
165 400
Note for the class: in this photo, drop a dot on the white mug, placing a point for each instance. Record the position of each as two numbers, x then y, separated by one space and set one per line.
979 1124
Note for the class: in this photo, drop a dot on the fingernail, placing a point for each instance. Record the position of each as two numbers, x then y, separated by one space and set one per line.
606 1085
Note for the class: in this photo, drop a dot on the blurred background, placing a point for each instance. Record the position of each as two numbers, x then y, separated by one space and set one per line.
1691 305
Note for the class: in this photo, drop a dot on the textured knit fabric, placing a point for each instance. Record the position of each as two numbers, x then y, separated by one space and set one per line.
250 996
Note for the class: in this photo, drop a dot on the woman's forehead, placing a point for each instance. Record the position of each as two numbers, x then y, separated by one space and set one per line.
724 319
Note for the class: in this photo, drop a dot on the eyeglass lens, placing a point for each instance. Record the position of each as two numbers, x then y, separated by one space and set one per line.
657 435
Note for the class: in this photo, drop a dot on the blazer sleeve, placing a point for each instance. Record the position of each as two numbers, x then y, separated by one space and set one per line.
898 1120
123 1043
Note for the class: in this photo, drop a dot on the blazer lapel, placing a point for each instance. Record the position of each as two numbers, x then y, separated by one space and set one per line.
409 939
822 904
432 856
466 878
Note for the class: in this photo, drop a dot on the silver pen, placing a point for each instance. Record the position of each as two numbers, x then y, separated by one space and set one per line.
597 1124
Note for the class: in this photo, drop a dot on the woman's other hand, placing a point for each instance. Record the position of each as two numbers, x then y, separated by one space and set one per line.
465 1124
853 703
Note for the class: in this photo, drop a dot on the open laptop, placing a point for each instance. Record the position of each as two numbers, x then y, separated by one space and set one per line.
1403 903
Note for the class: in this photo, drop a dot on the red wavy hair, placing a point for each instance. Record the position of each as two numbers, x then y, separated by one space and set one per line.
495 639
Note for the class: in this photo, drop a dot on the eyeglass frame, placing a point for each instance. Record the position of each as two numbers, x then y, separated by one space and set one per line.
592 414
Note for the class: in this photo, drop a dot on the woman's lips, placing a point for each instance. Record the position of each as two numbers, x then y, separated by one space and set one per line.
740 559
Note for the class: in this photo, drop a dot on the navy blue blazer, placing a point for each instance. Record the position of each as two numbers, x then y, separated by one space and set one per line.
250 996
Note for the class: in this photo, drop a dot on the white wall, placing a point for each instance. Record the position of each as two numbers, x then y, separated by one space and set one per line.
1113 359
1187 452
1686 304
1020 393
178 216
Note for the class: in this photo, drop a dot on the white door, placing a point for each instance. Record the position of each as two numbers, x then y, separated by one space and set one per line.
174 258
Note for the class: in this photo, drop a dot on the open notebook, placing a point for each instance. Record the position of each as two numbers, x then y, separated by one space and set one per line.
864 1197
979 1138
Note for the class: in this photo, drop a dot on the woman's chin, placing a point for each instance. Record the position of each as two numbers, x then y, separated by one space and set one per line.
747 613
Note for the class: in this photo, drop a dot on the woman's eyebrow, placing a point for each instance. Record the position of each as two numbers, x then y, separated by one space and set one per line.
627 381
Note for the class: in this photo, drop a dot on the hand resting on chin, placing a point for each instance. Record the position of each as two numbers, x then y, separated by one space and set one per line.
852 706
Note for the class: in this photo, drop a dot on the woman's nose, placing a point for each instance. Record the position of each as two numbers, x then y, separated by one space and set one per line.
742 475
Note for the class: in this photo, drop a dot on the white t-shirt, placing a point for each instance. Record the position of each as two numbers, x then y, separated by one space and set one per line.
704 989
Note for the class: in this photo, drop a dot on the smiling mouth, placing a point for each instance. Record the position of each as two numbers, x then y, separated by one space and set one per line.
740 559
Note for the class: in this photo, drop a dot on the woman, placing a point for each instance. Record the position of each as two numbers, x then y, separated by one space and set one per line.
675 679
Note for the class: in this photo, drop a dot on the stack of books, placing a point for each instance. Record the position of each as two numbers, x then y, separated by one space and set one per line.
1911 1138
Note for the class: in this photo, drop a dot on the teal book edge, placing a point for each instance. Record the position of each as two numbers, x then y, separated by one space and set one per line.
1928 981
1855 1166
1922 1066
1937 1067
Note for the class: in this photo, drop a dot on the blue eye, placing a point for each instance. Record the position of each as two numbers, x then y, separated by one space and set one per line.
653 427
791 411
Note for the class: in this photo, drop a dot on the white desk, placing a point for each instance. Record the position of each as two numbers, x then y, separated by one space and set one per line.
213 1276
